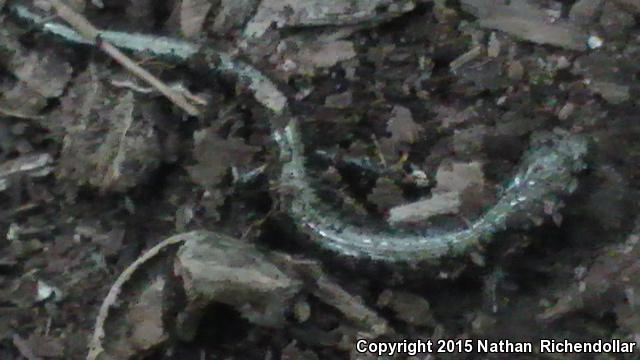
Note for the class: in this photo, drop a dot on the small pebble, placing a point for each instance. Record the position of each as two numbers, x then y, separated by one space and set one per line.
566 111
594 42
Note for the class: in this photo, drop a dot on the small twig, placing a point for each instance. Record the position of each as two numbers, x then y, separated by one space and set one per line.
257 223
91 33
383 161
19 115
25 163
96 346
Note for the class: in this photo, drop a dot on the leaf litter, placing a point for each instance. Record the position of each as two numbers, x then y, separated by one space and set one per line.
449 99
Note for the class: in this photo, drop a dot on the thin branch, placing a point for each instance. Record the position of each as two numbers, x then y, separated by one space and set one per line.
91 33
95 345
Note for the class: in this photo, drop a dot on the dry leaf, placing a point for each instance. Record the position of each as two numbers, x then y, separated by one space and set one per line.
385 194
222 269
19 100
459 176
325 54
286 13
611 281
232 14
402 127
47 75
215 155
46 346
527 21
437 204
145 318
410 308
105 144
192 16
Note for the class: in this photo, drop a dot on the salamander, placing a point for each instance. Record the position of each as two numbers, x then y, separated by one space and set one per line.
547 170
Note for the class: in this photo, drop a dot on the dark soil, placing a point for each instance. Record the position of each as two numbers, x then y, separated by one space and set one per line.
392 102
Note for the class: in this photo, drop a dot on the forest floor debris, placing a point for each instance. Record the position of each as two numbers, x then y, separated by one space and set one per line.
401 100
